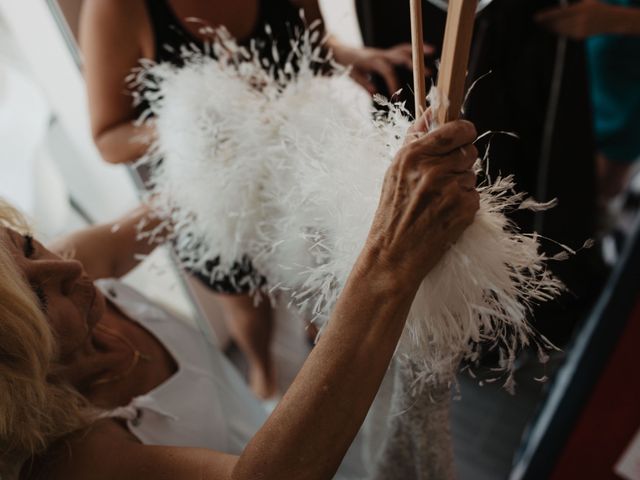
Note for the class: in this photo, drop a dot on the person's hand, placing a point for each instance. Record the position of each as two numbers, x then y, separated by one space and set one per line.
581 20
429 198
367 62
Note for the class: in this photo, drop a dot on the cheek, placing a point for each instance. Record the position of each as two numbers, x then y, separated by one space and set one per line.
70 328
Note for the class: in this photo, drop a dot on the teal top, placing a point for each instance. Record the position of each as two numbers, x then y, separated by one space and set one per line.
614 63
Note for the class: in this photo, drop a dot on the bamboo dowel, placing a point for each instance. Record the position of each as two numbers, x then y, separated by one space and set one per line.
456 47
417 42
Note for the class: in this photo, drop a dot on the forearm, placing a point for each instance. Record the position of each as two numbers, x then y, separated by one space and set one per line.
314 425
112 249
627 21
125 142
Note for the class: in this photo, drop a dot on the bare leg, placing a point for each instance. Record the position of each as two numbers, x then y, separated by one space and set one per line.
251 327
419 445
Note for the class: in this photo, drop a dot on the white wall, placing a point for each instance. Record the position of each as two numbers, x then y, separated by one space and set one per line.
104 191
340 16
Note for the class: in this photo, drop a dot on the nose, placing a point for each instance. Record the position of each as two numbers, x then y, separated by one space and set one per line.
64 272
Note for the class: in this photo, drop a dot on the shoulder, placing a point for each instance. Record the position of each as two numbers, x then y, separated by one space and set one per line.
124 17
114 34
114 8
71 457
108 450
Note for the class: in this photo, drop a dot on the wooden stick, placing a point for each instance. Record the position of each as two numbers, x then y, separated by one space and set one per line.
417 41
452 74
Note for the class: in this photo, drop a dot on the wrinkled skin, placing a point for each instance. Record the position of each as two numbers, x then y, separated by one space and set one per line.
67 295
428 199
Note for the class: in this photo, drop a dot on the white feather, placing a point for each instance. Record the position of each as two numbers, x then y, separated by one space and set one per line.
287 170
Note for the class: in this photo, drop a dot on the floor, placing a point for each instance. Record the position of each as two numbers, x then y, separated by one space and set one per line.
488 423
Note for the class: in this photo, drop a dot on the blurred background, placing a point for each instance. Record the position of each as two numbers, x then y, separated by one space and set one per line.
567 86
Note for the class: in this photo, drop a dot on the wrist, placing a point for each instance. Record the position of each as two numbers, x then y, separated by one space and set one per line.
385 277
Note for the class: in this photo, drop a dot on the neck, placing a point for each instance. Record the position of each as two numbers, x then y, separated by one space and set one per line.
107 368
128 361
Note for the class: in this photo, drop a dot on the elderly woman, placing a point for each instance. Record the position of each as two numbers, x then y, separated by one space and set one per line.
98 383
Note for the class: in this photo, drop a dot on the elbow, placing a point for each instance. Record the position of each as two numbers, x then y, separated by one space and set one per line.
108 151
121 144
105 146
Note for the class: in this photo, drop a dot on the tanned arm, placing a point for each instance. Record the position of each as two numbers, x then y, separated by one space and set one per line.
428 199
111 33
110 250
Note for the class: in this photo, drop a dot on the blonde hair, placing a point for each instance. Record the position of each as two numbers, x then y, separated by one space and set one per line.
36 408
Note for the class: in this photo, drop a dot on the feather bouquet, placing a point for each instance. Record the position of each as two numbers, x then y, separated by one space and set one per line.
275 161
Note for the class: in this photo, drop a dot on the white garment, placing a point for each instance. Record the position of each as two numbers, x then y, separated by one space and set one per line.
206 404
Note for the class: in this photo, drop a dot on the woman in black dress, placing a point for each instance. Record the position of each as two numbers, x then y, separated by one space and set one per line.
116 34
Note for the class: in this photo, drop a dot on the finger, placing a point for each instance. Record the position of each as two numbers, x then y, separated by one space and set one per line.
458 162
420 126
403 56
566 28
386 71
467 205
547 14
364 81
467 180
551 14
429 50
448 138
471 203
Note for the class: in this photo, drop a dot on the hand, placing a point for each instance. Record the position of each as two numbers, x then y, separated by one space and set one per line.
366 62
582 20
428 199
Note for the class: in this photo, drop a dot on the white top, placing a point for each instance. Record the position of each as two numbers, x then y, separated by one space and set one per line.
206 404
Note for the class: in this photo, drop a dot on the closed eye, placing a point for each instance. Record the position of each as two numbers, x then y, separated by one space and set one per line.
29 250
28 247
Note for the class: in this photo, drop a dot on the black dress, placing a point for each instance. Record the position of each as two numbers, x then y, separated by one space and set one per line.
170 36
515 98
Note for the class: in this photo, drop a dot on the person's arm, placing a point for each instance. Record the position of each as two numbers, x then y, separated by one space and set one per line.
630 24
110 250
428 199
111 41
365 61
591 17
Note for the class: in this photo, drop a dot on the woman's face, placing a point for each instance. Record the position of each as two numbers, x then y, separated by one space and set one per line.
67 296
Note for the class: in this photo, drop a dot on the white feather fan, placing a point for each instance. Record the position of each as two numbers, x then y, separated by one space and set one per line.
287 169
